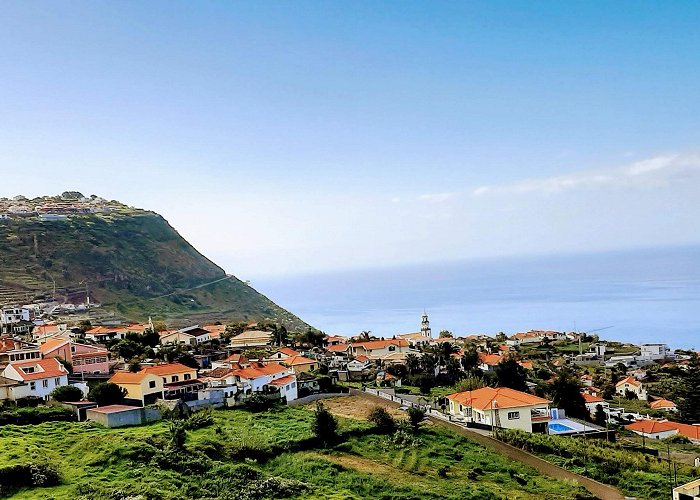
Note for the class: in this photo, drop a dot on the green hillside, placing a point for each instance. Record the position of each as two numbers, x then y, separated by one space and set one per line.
130 261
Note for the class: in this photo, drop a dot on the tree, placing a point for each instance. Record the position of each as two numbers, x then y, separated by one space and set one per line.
311 337
689 396
446 334
382 419
134 366
470 383
280 336
107 393
566 394
510 374
415 417
412 364
187 359
600 416
325 426
501 337
128 349
67 393
470 359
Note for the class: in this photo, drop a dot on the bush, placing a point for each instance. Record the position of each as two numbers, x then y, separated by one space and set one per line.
67 393
415 416
38 415
106 393
257 402
325 426
381 418
27 476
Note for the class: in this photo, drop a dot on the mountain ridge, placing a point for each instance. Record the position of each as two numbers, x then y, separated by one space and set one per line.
130 261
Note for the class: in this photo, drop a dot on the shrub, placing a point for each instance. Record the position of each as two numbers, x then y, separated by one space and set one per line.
38 415
27 476
325 426
381 418
107 393
415 416
67 393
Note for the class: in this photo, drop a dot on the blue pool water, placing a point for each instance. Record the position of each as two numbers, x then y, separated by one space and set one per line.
559 428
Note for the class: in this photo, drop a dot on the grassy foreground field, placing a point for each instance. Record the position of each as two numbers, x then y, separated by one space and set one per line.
267 455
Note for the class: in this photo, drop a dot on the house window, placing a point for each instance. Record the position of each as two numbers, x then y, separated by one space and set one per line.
287 387
294 384
175 378
32 386
57 382
28 369
392 348
513 415
165 381
45 383
187 376
152 384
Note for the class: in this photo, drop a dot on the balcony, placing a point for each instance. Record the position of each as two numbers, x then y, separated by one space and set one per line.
539 415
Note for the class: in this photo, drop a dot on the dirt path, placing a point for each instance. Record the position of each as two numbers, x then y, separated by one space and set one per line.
602 491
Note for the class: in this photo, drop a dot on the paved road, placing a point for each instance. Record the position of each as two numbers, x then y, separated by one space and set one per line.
600 490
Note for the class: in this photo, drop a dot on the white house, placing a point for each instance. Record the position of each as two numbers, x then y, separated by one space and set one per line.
633 385
501 407
592 403
255 378
655 351
39 378
191 335
653 429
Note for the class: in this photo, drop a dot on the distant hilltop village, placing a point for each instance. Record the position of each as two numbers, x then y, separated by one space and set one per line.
56 207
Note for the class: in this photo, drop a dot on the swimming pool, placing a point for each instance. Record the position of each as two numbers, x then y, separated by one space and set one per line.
559 428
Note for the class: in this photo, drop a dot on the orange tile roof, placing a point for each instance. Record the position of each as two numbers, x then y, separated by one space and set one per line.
338 348
260 371
650 426
237 358
51 368
136 327
588 398
526 364
167 369
380 344
504 397
284 380
298 360
689 431
630 381
490 359
215 331
662 403
361 358
52 344
125 377
288 351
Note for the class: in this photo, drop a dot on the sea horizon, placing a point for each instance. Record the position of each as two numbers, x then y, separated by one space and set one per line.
640 295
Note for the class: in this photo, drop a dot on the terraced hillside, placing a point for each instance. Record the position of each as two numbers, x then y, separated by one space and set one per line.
132 262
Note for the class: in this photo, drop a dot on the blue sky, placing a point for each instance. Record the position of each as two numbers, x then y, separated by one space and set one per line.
282 137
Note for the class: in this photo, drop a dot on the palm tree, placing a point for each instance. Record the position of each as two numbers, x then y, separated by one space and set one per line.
412 364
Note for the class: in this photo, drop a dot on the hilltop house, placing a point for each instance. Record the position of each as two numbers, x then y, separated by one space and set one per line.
632 385
37 378
88 359
15 320
489 362
501 407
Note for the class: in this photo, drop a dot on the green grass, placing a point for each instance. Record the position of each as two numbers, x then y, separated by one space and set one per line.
97 462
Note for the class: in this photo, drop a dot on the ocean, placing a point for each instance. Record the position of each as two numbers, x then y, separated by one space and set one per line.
650 295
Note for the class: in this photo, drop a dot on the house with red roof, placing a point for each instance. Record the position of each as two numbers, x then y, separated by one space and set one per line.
35 378
88 359
501 407
105 333
654 429
592 403
488 362
266 379
284 353
300 364
377 349
663 405
633 385
163 381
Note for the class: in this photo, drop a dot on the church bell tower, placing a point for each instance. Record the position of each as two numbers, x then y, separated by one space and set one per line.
425 326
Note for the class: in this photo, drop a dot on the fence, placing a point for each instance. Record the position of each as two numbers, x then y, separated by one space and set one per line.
315 397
